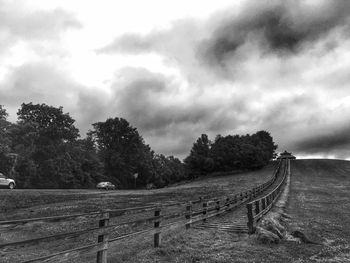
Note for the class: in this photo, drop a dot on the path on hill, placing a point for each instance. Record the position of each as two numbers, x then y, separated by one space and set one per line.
235 221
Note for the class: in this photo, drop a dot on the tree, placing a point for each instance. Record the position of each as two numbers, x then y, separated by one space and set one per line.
167 170
50 122
49 154
5 141
123 151
199 160
266 143
230 152
226 153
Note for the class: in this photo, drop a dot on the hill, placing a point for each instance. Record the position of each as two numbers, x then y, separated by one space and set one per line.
23 203
319 205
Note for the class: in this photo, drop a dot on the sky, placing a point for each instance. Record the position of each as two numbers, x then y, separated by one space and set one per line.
178 69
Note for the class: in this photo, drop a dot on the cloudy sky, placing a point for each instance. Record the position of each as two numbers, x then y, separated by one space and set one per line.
177 69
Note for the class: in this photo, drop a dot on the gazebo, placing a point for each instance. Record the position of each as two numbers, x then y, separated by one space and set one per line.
286 155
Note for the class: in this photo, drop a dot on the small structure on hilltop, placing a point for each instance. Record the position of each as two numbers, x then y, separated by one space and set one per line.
286 155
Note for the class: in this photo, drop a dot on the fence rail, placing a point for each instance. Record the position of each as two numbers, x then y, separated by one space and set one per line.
190 213
256 209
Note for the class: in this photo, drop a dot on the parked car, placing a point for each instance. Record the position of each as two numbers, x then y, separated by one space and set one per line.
105 185
7 182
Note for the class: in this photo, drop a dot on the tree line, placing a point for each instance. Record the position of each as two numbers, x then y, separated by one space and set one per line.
43 149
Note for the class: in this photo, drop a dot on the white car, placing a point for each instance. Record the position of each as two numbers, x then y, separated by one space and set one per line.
7 182
105 185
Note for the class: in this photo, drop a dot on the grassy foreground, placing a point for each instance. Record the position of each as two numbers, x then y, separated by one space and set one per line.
21 203
319 205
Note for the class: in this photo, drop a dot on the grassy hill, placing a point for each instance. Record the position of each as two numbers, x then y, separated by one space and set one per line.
24 203
319 205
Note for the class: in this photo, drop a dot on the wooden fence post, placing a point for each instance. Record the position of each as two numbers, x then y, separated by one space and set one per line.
156 227
257 207
250 223
188 215
263 203
102 255
205 209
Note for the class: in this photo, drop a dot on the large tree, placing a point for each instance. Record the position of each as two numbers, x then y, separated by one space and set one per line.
50 122
123 151
199 160
231 152
49 154
167 170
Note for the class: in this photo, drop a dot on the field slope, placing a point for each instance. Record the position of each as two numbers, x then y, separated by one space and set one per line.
22 203
319 205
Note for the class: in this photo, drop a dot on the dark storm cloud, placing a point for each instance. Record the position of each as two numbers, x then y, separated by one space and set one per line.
277 27
152 102
333 141
281 27
142 102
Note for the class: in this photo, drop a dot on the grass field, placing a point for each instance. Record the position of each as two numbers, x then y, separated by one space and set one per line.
21 203
319 205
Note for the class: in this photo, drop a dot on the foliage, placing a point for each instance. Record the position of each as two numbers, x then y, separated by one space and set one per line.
43 150
49 122
199 161
122 151
167 170
50 156
231 152
5 160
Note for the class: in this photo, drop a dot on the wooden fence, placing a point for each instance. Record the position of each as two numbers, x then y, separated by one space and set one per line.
163 217
256 209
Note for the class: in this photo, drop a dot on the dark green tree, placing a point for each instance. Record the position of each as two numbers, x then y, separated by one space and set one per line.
50 123
5 142
123 151
231 152
199 161
49 154
167 170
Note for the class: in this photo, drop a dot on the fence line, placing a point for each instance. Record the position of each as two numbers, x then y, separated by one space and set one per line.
189 216
256 209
